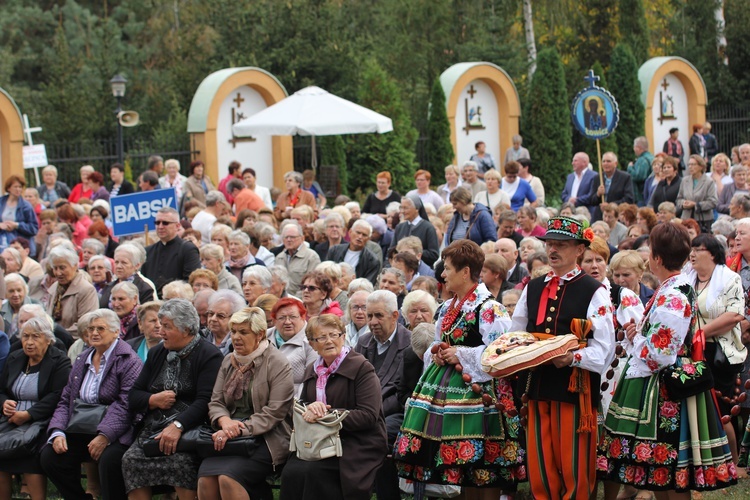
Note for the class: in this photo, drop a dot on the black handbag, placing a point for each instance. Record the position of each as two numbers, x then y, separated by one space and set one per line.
85 418
20 441
687 378
187 444
241 446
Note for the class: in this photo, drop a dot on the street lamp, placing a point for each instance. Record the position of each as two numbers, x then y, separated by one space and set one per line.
118 90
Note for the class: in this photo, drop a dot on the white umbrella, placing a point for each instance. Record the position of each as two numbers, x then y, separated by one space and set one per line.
313 111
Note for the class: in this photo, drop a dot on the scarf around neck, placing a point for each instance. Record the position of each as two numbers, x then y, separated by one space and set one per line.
174 365
243 371
324 372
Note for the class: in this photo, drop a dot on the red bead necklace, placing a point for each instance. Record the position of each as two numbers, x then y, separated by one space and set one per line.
454 310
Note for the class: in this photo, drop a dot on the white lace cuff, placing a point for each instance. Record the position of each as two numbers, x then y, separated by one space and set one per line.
471 359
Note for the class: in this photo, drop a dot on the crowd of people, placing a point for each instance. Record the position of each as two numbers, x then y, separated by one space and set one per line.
247 298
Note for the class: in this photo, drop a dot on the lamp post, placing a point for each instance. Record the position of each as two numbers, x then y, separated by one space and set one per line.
118 90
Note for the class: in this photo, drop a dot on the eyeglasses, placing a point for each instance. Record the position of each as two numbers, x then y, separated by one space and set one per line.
324 339
289 238
311 288
97 329
164 222
219 316
696 250
284 319
358 308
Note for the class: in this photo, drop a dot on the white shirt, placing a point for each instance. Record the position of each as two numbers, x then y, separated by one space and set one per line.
265 195
203 222
352 258
577 178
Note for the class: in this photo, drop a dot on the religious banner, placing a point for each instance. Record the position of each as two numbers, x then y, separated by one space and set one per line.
594 111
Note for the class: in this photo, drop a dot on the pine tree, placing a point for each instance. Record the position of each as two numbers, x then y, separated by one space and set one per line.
547 128
634 29
737 31
333 153
607 144
393 151
625 86
439 146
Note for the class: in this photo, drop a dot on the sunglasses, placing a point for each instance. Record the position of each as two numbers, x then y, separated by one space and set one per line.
310 288
164 222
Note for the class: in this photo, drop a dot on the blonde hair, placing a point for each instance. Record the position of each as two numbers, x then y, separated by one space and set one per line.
177 290
628 259
255 317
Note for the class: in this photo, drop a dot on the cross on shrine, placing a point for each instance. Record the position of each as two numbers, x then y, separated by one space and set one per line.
591 78
239 100
27 130
471 91
665 84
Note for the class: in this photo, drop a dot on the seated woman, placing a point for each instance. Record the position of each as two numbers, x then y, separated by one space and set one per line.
418 307
212 259
316 295
355 387
252 396
30 386
148 324
129 257
288 336
100 270
16 295
90 248
494 272
203 279
71 296
124 301
627 270
173 391
103 374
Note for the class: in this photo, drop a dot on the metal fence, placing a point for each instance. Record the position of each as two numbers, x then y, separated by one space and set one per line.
730 125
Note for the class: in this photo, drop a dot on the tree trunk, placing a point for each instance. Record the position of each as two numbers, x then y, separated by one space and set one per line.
528 22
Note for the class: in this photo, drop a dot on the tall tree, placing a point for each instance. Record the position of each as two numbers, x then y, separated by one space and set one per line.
439 147
625 86
393 151
634 28
596 30
546 122
737 17
528 30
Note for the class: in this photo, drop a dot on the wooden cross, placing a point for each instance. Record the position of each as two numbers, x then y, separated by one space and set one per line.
28 130
591 78
471 91
239 100
665 84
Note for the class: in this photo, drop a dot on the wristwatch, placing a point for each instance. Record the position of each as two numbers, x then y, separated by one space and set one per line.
178 425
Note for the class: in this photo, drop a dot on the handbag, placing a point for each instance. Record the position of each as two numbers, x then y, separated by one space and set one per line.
20 441
85 418
317 440
421 490
241 446
187 444
687 378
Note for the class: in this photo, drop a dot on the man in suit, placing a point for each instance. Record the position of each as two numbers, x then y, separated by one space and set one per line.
417 223
365 263
578 184
617 188
384 348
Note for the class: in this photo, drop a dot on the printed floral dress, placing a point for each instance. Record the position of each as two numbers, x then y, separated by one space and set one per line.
451 434
653 442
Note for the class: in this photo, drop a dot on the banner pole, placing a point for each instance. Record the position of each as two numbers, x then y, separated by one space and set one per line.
599 159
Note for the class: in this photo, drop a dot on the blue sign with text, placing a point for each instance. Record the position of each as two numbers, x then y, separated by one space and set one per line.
131 212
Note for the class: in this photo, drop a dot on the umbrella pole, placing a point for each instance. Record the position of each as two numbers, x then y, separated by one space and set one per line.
314 161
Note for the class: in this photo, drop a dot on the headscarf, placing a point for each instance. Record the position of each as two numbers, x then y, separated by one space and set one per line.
414 197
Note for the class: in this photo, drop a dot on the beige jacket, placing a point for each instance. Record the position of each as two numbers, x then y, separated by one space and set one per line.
194 190
273 396
300 264
80 298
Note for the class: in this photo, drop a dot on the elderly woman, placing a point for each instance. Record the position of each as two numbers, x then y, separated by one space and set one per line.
16 295
528 246
51 190
100 270
697 196
220 236
129 257
256 281
422 180
103 374
177 290
720 307
355 388
212 259
466 324
96 184
221 306
203 279
240 257
452 181
17 217
377 202
627 269
252 396
739 185
470 220
527 223
670 456
494 274
89 248
356 316
668 187
173 390
124 299
333 271
197 185
30 386
418 307
316 291
148 324
82 189
172 177
493 197
71 296
99 231
288 336
293 196
739 207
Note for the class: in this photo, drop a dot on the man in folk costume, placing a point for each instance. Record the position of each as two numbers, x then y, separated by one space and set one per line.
563 395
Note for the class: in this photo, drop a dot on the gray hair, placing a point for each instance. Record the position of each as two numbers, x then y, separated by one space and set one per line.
221 230
360 284
419 296
330 269
41 325
36 310
239 235
508 293
352 204
385 297
15 254
178 289
182 313
113 322
234 299
364 224
50 168
294 224
743 200
421 337
517 138
469 163
261 274
745 221
346 269
603 225
265 229
294 175
63 253
279 274
334 217
170 162
202 296
104 259
213 198
723 225
129 288
169 210
212 250
398 273
17 278
393 208
93 244
641 142
134 253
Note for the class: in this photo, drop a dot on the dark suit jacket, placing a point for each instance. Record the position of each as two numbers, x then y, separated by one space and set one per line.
412 367
368 266
586 181
390 370
519 273
620 191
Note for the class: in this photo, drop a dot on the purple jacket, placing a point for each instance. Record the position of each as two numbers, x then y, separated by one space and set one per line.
119 376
